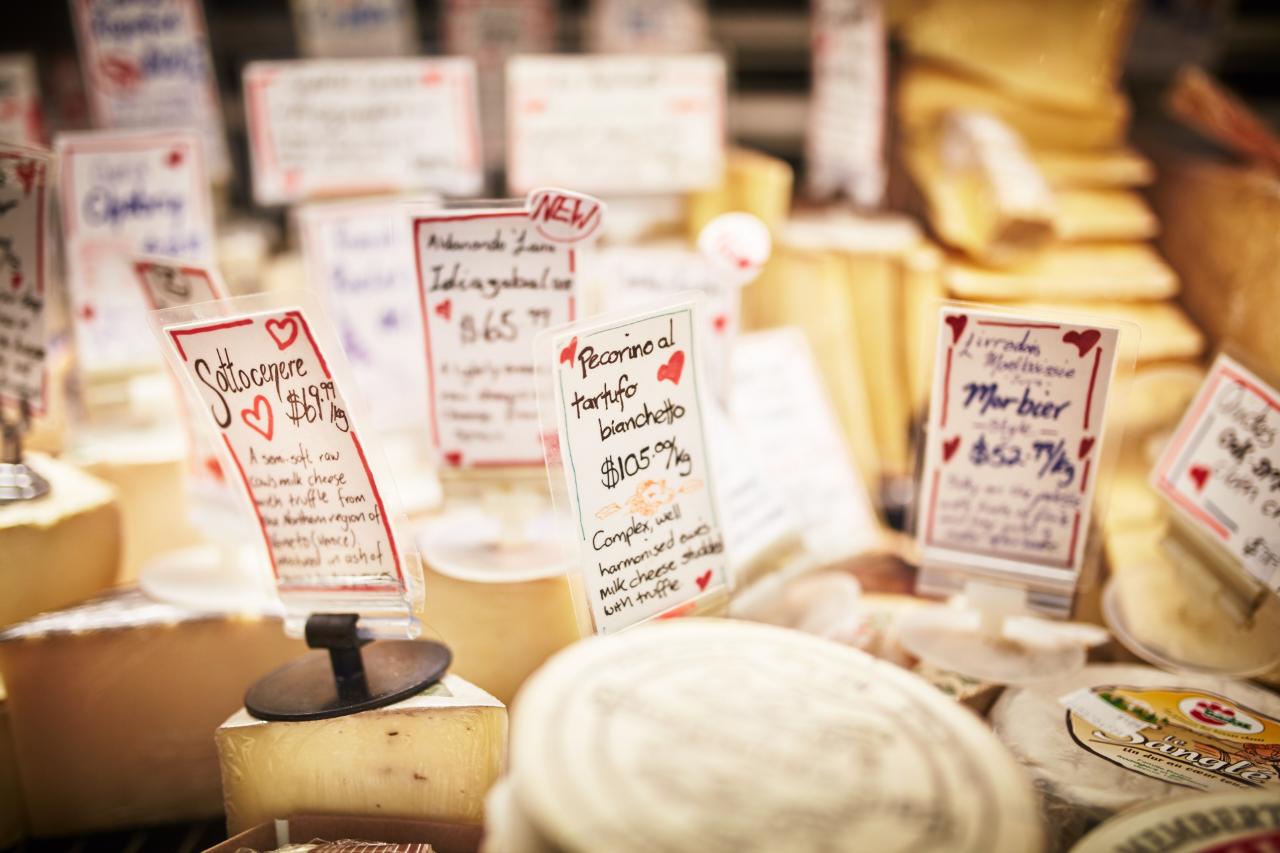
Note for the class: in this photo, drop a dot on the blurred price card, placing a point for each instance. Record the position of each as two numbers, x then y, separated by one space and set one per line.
1013 449
334 29
616 124
1221 469
26 178
488 282
126 194
268 383
362 126
628 412
147 65
20 120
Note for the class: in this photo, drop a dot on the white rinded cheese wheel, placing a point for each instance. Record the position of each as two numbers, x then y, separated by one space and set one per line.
708 735
1196 823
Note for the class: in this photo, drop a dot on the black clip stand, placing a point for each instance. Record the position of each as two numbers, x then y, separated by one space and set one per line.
18 482
346 679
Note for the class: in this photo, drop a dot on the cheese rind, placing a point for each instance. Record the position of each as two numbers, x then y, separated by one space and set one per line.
433 756
1237 821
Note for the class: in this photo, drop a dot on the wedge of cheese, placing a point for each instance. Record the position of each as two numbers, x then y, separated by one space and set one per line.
927 90
1118 168
113 705
1065 52
1123 272
1085 215
11 817
754 183
61 548
433 756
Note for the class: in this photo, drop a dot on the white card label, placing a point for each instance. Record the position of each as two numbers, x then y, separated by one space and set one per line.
1221 469
24 202
270 394
616 124
648 26
844 144
359 256
633 447
125 195
357 126
488 282
20 121
334 29
1015 435
147 65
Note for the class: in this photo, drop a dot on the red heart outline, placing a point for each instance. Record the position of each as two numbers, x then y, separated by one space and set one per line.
252 417
1199 475
174 160
1086 444
949 448
567 354
957 322
673 368
703 579
721 322
288 323
445 310
453 458
1083 341
16 281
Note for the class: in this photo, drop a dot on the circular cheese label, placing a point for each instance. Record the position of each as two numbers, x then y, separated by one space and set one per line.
1239 822
711 735
1182 736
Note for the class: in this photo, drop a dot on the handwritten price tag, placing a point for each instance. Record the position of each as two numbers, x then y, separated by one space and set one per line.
345 127
25 178
126 194
1015 435
616 124
147 65
488 282
1221 469
632 441
19 100
269 392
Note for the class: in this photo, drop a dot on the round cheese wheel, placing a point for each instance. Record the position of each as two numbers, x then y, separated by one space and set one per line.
1206 823
709 735
1135 734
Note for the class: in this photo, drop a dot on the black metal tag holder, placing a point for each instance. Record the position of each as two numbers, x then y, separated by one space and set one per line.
340 678
18 480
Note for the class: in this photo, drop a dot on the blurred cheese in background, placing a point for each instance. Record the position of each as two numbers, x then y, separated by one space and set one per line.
1118 271
11 818
754 183
1108 168
1103 214
113 705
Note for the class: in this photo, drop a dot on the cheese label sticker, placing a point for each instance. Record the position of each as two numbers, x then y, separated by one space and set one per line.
1221 469
269 392
844 141
25 181
20 120
488 282
359 256
167 284
355 28
125 195
632 441
1184 737
362 126
147 65
1015 435
616 124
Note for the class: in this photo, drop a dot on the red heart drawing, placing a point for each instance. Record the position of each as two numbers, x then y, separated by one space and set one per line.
87 313
673 368
445 309
255 418
16 281
957 322
214 468
949 448
291 179
1200 474
432 77
720 322
566 354
174 160
1086 444
534 105
703 579
1084 341
287 334
454 458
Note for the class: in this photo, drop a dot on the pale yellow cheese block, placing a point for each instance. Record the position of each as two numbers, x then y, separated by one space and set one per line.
114 704
500 632
1065 52
1085 215
1158 396
48 432
1115 271
1168 334
927 90
11 819
922 295
754 183
433 757
1117 168
61 548
1133 503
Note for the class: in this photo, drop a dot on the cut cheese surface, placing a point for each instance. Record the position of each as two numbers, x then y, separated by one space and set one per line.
433 756
1117 168
1117 271
709 735
113 705
1085 215
59 549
